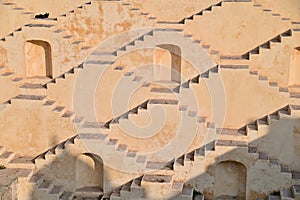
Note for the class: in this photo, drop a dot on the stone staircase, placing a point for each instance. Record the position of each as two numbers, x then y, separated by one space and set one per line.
135 188
272 84
45 102
5 72
280 38
46 23
17 12
202 12
152 39
253 127
15 169
11 160
292 193
10 178
42 188
35 89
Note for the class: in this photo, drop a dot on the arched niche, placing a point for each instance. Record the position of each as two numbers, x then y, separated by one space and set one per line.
230 180
294 76
167 60
38 58
89 171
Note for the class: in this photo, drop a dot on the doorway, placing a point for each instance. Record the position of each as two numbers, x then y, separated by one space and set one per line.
294 76
230 177
38 58
167 61
89 171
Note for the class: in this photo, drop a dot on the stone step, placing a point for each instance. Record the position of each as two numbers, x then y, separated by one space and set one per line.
25 162
295 175
177 185
56 191
37 80
50 154
294 88
51 104
100 55
284 169
166 24
59 148
60 109
235 143
163 101
296 191
6 157
273 197
39 25
116 195
156 165
89 192
286 194
119 68
36 179
163 92
2 150
187 190
67 196
157 178
7 74
45 185
69 114
34 98
3 69
295 95
32 89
